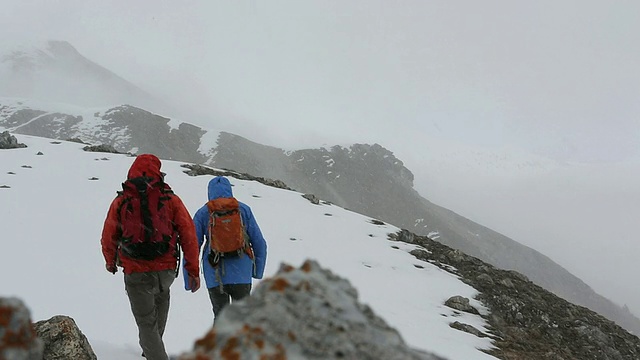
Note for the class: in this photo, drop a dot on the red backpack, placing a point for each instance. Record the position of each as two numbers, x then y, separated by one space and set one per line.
145 220
227 234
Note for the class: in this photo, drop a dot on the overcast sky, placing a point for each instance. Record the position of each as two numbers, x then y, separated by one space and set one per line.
555 76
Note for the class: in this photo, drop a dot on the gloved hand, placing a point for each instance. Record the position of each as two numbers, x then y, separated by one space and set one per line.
194 283
111 268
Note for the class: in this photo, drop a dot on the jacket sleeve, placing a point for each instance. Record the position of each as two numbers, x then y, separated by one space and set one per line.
185 228
110 234
200 221
258 243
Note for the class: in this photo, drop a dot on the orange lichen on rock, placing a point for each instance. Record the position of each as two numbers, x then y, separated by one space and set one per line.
306 267
5 315
208 342
286 268
292 336
229 351
279 284
280 354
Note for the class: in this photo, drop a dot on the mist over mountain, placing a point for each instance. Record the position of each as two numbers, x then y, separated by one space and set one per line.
56 71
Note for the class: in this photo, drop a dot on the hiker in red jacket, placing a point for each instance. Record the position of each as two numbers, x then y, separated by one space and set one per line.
145 227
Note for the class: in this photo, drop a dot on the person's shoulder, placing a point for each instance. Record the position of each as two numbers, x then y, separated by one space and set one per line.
244 208
202 211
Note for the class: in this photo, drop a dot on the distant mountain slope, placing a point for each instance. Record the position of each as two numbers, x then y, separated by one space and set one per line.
365 178
56 71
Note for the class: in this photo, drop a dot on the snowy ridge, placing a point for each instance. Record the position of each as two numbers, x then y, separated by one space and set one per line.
94 124
441 157
65 258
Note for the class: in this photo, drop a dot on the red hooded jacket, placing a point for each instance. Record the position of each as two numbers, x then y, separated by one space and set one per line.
149 165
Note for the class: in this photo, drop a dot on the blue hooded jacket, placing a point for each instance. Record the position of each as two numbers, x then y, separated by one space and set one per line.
236 270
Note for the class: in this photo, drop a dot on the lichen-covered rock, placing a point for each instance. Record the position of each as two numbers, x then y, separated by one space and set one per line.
197 170
312 198
63 340
306 313
18 340
8 141
461 303
101 148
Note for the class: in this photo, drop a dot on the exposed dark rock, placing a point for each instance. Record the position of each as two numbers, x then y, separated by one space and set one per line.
467 328
101 148
63 340
312 198
77 140
39 153
527 321
18 340
306 313
196 170
8 141
461 303
5 187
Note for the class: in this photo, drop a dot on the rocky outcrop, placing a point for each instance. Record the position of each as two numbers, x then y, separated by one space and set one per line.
305 313
18 340
8 141
63 340
527 321
101 148
196 170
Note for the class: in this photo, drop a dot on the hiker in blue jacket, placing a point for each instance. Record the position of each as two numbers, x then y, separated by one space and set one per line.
231 278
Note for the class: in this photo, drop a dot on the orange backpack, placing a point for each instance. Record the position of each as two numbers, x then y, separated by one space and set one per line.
227 235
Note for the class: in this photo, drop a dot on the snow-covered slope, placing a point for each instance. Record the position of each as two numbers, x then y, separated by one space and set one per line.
53 206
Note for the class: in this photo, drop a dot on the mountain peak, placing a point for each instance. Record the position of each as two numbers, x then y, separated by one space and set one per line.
59 47
54 70
36 48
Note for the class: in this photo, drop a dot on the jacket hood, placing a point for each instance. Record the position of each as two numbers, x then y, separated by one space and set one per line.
219 187
146 165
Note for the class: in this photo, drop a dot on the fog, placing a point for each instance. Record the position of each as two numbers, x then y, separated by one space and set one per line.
548 79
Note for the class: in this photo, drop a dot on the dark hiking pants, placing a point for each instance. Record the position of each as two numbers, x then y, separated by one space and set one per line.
220 299
149 298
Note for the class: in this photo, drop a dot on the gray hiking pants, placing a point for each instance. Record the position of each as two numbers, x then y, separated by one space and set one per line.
149 298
